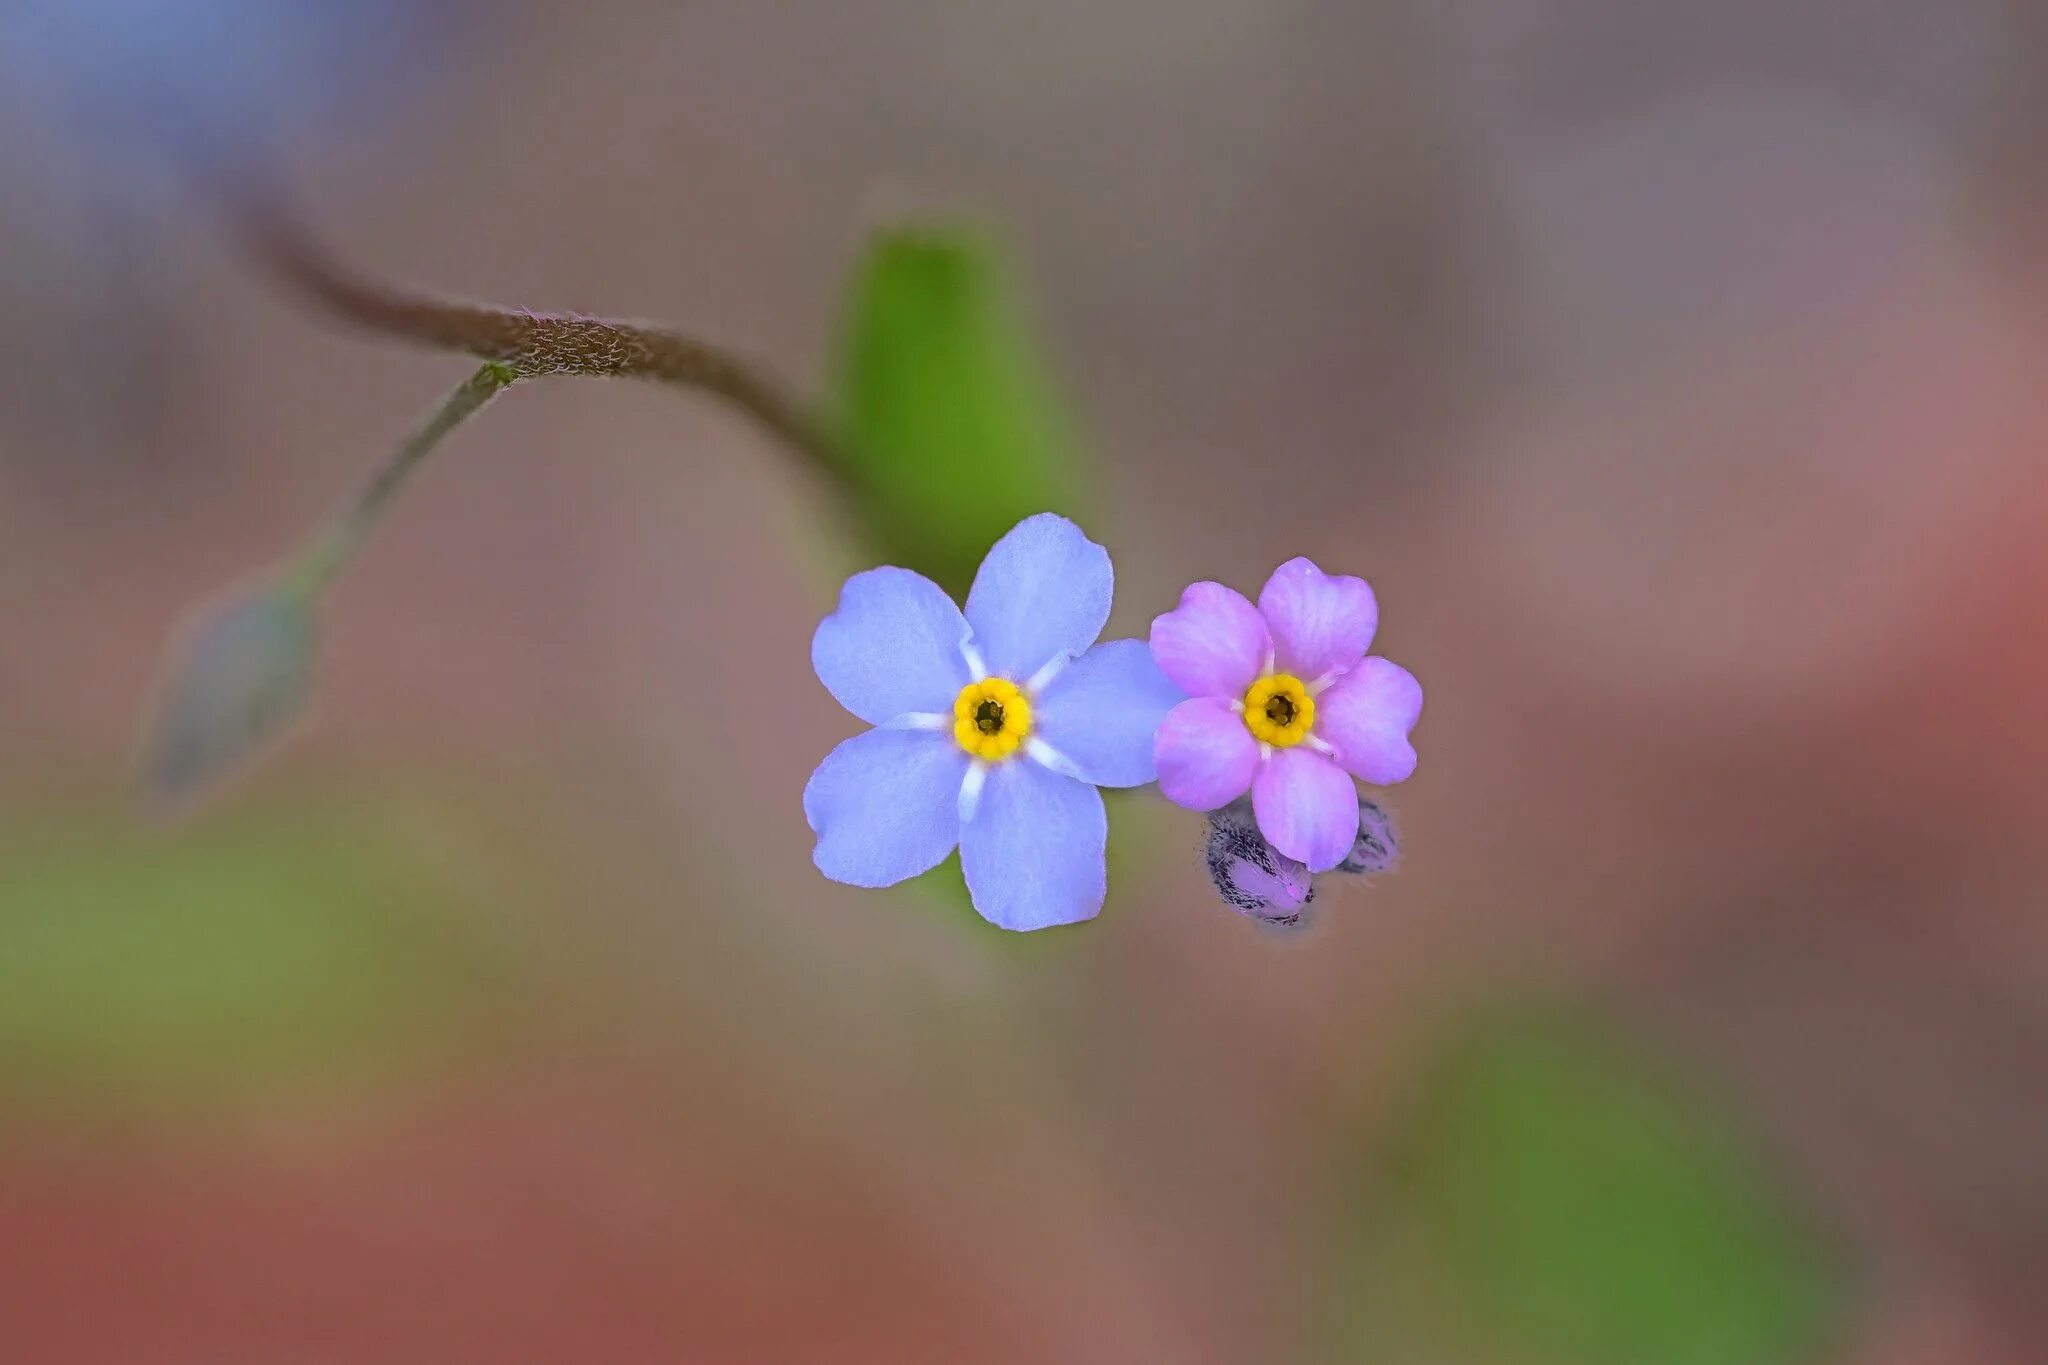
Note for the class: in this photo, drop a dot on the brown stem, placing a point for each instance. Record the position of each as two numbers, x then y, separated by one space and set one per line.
532 344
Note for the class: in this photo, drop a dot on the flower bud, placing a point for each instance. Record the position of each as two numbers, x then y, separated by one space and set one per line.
1252 877
1375 849
235 679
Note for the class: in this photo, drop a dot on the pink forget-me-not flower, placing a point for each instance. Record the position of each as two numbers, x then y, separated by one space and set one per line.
1284 703
993 729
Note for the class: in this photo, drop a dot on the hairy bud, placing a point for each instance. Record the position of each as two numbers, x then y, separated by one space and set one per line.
1254 878
1262 883
1376 849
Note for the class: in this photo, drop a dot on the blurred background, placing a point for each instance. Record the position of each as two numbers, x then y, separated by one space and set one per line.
1672 371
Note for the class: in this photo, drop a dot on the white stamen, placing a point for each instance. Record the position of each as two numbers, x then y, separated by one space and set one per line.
918 720
1237 705
970 790
976 669
1269 663
1265 751
1320 745
1045 755
1046 674
1315 688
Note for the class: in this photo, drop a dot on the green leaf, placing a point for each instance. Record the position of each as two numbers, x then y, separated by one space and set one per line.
1556 1198
303 944
952 424
236 678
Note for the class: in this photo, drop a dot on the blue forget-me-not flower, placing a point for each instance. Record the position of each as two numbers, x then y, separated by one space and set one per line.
993 728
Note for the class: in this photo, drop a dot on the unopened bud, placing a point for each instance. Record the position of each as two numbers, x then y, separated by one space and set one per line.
1376 849
1254 878
236 677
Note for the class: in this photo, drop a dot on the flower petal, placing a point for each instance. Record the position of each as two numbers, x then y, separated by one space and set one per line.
1033 853
1102 710
883 806
892 646
1214 643
1043 591
1205 755
1321 623
1307 807
1366 718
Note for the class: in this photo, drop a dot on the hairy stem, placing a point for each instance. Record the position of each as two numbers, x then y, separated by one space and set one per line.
528 344
330 548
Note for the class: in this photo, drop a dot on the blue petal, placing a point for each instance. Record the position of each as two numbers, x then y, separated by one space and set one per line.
1033 853
1101 712
884 806
893 646
1043 591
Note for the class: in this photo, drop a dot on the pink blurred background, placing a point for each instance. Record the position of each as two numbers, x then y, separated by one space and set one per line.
1672 370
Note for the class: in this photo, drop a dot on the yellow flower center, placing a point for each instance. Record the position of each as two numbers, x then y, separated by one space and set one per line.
991 718
1279 711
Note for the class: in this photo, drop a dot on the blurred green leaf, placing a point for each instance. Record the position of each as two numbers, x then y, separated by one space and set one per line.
953 425
1557 1200
236 677
309 943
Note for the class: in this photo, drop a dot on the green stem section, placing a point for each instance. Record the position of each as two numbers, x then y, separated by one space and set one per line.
334 544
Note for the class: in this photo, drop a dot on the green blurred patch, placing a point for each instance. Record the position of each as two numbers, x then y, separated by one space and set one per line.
315 943
1556 1199
952 422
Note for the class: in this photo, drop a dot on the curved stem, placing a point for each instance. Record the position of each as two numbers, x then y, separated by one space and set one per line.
529 344
330 548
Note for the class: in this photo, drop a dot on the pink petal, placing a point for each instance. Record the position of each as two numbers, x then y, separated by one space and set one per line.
1306 807
1321 623
1213 644
1206 757
1366 718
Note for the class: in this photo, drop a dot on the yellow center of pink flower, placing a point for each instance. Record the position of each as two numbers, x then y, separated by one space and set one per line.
991 718
1278 710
